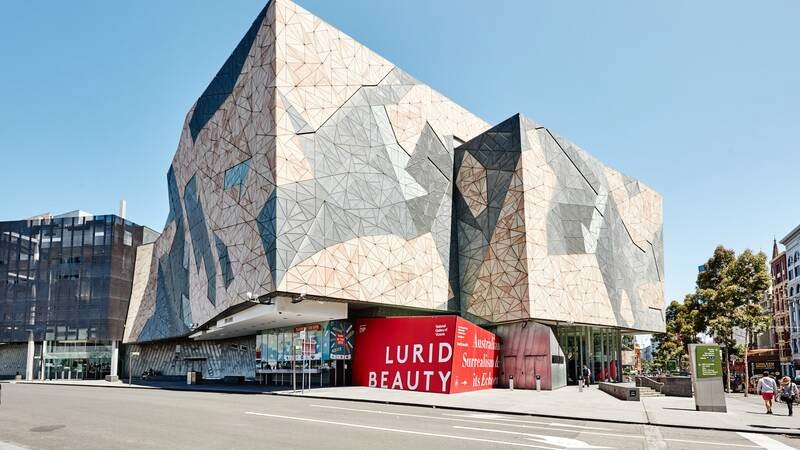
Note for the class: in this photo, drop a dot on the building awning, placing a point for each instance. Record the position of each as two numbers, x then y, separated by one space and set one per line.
281 313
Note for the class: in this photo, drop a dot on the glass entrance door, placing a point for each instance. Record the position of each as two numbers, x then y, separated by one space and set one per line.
597 348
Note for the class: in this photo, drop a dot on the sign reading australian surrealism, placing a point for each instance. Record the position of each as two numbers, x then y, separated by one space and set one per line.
444 354
708 360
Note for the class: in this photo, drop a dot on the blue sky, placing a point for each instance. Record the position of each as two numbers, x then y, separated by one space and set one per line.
697 99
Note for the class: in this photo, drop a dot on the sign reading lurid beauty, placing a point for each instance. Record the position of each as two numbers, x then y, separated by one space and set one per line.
444 354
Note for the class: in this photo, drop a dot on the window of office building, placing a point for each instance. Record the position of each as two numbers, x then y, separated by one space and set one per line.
66 279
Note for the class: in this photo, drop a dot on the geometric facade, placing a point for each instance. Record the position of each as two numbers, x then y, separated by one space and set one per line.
546 231
313 166
310 165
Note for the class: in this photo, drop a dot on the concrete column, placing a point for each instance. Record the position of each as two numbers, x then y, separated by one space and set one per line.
30 360
43 365
114 359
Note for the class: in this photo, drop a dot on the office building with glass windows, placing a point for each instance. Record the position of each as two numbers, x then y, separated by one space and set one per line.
65 284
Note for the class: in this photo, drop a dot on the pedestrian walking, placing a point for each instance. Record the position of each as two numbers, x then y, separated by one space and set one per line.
587 376
767 387
788 392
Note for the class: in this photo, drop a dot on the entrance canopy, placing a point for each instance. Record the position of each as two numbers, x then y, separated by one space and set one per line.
280 313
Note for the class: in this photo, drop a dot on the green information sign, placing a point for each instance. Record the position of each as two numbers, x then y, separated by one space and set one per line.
672 365
709 361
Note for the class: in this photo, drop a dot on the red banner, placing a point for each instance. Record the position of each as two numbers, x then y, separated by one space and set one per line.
476 362
432 354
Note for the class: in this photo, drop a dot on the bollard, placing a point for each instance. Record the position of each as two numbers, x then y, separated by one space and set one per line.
580 385
538 383
511 383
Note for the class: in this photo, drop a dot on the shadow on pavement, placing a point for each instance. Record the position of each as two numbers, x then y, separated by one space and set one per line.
209 386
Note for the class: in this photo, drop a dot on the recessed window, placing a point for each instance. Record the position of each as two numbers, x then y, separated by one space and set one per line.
237 176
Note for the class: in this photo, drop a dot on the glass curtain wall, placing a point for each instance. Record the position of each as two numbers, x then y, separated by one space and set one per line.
319 352
598 348
77 360
69 278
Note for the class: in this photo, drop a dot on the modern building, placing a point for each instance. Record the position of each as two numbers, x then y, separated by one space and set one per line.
780 308
315 184
65 283
546 232
791 242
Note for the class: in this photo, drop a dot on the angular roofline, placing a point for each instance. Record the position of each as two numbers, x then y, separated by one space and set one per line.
794 234
522 117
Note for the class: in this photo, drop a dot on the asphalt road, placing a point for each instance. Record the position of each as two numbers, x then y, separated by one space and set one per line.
33 416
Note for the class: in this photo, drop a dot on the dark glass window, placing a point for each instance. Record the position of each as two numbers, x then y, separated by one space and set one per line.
66 278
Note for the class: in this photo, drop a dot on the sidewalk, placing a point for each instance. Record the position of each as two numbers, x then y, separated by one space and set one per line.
163 385
744 414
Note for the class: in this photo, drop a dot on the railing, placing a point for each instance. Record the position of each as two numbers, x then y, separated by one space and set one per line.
642 381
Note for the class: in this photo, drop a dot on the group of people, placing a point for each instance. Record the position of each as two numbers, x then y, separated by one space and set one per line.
769 389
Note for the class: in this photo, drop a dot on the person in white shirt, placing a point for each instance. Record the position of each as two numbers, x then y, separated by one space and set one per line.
767 387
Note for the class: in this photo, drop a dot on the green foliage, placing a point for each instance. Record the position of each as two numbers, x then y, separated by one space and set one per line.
680 332
734 302
628 342
727 296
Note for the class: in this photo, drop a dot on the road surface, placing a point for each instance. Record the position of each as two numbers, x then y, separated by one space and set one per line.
57 417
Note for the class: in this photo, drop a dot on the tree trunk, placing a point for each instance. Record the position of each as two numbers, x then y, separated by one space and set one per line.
746 369
728 365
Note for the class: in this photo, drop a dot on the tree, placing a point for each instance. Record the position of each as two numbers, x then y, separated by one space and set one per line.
709 283
731 295
744 283
727 297
721 329
680 332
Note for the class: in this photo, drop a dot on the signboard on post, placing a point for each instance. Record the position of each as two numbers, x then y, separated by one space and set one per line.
706 362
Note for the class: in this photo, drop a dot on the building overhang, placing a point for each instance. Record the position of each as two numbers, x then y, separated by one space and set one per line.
279 312
793 235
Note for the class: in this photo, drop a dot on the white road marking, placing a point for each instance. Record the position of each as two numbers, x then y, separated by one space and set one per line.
10 446
723 444
764 441
561 442
397 430
463 418
653 437
552 424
